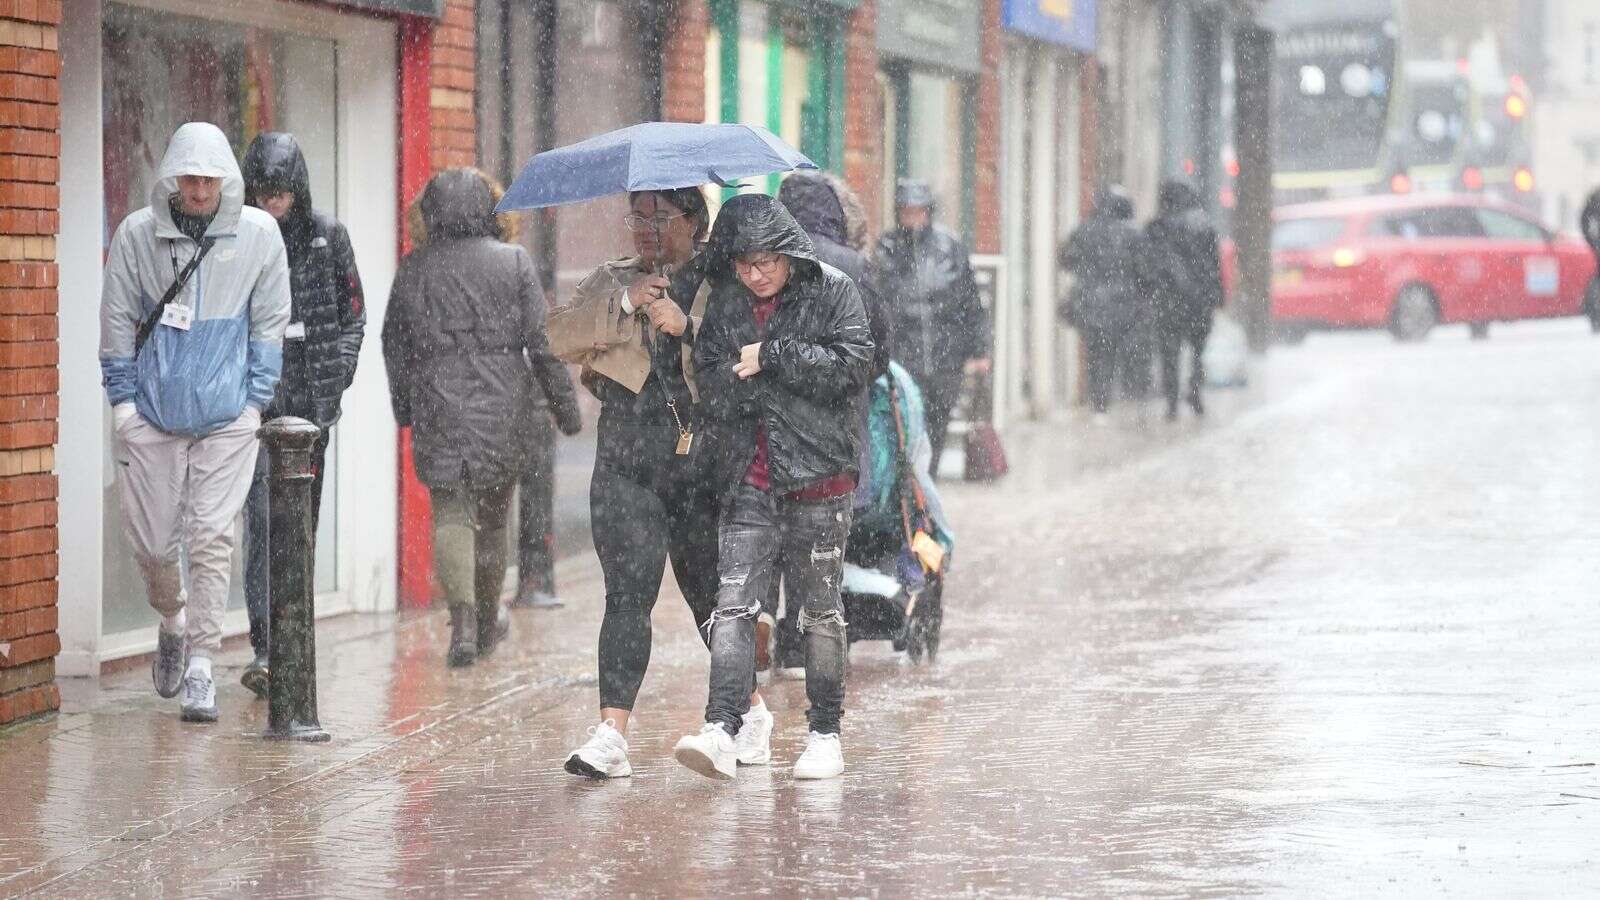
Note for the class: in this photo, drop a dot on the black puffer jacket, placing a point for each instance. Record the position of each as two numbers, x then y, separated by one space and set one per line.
926 282
815 356
1107 258
1185 264
810 197
325 288
464 343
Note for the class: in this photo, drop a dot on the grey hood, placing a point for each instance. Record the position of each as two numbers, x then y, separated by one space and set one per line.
198 148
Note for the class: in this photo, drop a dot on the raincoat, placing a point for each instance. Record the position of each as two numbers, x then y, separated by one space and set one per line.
815 358
464 343
328 312
926 282
193 382
1107 256
1186 267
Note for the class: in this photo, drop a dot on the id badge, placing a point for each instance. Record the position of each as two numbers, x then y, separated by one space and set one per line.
178 315
685 442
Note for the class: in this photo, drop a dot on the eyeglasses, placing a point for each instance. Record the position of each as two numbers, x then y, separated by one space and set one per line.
657 222
767 265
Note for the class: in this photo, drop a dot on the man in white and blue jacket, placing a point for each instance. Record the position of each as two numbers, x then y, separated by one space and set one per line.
186 401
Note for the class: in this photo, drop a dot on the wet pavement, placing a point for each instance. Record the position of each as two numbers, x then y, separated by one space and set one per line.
1337 639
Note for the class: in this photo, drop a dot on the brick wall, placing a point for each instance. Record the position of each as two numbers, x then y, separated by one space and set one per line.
30 148
863 117
987 187
453 88
683 63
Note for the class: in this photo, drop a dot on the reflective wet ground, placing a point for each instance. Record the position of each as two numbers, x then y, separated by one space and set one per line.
1338 639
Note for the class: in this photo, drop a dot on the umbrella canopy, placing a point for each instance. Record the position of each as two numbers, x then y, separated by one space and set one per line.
649 157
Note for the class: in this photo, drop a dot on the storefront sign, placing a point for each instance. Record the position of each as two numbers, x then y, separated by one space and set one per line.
431 8
944 33
1070 23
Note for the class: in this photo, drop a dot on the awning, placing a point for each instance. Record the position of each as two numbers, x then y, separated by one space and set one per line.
433 9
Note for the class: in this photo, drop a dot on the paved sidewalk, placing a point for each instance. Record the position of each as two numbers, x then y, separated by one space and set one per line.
1337 640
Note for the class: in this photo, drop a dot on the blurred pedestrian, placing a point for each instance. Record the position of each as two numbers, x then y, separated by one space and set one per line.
1105 257
1589 223
924 275
469 368
1186 272
322 343
782 359
187 377
652 497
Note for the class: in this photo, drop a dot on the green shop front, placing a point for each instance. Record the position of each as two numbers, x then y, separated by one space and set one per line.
781 64
929 60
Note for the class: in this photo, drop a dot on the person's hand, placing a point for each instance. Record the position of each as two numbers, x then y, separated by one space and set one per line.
569 421
665 315
646 291
749 361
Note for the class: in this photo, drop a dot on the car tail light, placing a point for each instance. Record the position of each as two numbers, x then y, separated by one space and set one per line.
1472 178
1347 257
1400 183
1523 180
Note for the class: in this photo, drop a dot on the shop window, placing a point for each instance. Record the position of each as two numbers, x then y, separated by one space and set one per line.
162 70
927 136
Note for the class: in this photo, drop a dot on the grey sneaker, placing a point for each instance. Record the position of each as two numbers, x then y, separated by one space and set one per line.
199 698
172 658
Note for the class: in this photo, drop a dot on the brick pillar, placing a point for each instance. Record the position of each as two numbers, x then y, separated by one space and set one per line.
987 187
1089 143
453 88
30 149
683 63
863 119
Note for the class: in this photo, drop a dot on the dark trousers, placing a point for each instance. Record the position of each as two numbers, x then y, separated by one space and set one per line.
1173 340
257 532
761 535
1104 347
941 390
641 517
536 511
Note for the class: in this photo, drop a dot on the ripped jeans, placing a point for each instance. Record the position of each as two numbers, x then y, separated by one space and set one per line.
758 533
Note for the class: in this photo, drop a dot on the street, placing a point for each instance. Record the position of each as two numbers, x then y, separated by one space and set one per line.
1339 638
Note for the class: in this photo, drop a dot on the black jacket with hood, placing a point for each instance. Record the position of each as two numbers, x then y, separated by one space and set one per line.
814 202
324 286
1186 266
815 355
464 343
1107 258
935 313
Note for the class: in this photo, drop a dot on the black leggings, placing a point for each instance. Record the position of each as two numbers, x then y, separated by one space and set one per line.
641 518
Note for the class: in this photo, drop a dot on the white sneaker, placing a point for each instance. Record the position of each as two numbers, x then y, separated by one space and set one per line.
753 743
824 758
604 755
199 696
710 752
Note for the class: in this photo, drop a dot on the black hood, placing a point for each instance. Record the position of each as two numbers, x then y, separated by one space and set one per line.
1175 198
814 204
1113 202
274 164
755 222
459 203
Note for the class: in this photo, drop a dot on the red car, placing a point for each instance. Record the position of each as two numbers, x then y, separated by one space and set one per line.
1408 263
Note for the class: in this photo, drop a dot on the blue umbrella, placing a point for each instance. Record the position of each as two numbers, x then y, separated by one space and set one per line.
650 156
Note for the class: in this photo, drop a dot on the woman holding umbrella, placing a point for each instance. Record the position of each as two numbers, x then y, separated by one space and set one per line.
649 501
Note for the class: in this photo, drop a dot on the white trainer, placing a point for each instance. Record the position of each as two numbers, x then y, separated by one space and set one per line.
709 753
753 744
824 758
604 755
199 696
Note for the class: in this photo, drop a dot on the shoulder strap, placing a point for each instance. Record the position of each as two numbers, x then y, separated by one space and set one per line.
149 324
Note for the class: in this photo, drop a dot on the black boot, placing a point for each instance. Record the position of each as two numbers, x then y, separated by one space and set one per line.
463 636
494 624
257 676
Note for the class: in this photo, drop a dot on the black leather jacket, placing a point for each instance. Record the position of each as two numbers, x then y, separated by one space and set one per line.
926 282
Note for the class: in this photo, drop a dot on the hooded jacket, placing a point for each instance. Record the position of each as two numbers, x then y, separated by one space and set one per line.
464 343
813 199
328 314
1107 257
194 382
1185 263
815 355
926 283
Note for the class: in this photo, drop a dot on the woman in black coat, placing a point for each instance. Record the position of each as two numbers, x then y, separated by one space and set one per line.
1186 271
469 367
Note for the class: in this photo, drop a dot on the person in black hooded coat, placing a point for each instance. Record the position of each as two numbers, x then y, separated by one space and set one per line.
470 368
782 360
813 200
1187 272
327 321
1106 257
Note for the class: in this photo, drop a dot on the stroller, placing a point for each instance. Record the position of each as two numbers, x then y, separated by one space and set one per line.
900 541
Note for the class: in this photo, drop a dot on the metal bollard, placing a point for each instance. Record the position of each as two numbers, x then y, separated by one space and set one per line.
292 696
